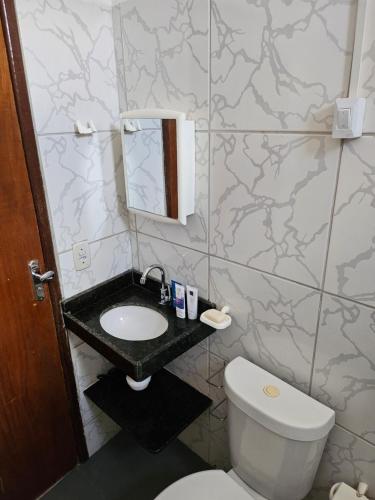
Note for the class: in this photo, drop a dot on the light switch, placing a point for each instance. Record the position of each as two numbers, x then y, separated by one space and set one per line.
348 117
81 255
344 118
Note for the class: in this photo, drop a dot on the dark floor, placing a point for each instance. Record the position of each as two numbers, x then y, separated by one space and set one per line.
122 470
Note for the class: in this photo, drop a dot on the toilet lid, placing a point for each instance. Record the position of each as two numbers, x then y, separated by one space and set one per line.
206 485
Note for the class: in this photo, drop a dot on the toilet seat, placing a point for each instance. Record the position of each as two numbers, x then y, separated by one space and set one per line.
206 485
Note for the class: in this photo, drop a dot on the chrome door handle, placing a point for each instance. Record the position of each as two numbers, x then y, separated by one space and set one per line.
43 278
39 279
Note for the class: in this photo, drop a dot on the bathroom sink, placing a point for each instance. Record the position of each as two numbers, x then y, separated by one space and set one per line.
135 323
93 313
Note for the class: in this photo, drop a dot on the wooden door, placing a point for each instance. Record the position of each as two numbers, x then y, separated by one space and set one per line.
37 445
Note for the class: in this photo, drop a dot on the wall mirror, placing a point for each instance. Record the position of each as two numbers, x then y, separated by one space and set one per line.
159 164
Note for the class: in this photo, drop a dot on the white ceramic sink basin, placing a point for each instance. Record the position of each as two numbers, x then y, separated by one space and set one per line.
133 323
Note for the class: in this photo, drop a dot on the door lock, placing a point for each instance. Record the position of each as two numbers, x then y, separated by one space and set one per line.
39 279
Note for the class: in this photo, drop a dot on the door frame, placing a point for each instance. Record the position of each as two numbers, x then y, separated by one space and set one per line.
12 40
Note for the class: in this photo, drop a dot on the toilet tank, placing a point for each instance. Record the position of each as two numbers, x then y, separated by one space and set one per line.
276 432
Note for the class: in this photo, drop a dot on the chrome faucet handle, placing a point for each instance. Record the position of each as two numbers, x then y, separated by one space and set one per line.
165 295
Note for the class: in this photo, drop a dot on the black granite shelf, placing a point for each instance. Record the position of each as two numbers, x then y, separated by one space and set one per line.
138 359
155 416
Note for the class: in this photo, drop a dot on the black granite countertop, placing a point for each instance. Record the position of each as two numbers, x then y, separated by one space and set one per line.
139 359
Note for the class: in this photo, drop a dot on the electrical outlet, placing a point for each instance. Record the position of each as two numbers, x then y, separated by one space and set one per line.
81 255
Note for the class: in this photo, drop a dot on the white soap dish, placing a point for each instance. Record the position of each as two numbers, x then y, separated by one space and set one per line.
217 319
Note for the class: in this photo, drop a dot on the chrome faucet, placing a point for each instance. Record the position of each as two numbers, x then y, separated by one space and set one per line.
165 295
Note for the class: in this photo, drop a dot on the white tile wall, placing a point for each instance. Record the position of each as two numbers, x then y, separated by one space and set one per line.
346 458
275 180
109 257
344 369
166 55
193 368
259 78
181 263
85 186
274 321
262 190
69 57
279 65
351 263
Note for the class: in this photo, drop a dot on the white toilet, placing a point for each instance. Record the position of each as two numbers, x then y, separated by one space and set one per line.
276 437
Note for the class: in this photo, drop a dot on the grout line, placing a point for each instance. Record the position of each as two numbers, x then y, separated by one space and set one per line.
123 72
261 271
315 342
215 131
361 438
46 134
349 299
282 132
268 273
137 241
332 215
325 262
164 240
209 152
96 241
275 132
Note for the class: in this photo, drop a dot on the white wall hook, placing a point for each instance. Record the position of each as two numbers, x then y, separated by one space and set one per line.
131 126
91 124
80 129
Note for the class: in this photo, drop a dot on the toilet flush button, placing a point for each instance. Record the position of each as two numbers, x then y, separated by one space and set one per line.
271 391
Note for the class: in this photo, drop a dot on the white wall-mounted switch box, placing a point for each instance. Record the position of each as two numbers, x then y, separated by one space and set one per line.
81 255
348 117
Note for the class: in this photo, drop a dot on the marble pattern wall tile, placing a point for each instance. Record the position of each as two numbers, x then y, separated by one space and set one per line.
166 53
367 69
197 438
219 456
263 188
89 410
351 261
88 364
192 367
273 321
344 369
74 341
69 57
263 71
85 186
194 234
182 264
99 431
346 458
216 378
109 257
134 249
